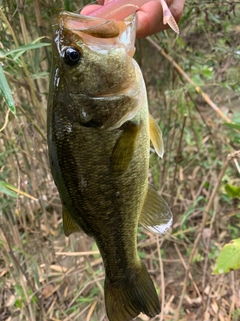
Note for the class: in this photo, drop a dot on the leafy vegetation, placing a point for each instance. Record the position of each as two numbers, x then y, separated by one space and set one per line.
229 258
45 276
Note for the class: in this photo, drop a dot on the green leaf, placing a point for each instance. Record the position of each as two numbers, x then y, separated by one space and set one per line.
197 80
40 75
5 190
232 191
18 304
95 248
142 255
235 126
11 190
236 118
214 18
17 52
186 16
207 73
6 92
229 258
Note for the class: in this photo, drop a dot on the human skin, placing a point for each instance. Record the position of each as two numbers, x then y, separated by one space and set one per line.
149 15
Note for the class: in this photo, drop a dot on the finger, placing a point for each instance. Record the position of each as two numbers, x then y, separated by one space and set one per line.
177 9
150 19
89 9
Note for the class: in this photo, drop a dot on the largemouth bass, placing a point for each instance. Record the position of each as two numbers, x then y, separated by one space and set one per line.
99 133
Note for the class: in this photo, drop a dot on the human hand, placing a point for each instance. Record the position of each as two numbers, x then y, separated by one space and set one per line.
149 15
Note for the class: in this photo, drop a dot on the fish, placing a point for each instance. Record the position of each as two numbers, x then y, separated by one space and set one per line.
99 130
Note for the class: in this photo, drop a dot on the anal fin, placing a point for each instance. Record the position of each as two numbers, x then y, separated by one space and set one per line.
156 215
69 226
156 136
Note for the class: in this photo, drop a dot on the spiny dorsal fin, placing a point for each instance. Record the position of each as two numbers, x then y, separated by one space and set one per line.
124 148
69 226
156 215
156 136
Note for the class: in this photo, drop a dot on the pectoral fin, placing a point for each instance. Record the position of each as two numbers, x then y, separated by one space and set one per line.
156 215
124 148
69 226
156 136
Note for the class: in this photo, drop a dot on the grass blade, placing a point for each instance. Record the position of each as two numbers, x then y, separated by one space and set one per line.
11 190
6 92
5 190
21 49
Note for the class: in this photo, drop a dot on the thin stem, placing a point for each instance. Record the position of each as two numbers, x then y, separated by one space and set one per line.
197 88
203 223
178 152
14 259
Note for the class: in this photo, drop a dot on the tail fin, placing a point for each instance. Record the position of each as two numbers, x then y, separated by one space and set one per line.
135 294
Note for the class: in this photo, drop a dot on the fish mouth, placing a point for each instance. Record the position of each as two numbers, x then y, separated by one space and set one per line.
96 27
101 31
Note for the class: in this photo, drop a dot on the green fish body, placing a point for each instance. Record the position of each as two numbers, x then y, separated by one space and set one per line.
99 133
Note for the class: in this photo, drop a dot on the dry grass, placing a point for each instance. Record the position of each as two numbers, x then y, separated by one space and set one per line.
45 276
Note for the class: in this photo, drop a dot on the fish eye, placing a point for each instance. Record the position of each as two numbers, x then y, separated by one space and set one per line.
71 56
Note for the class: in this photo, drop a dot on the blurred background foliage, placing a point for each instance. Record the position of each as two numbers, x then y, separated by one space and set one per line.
45 276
